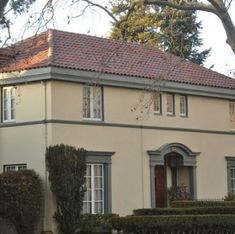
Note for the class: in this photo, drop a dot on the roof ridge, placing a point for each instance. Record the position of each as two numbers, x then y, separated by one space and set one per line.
50 39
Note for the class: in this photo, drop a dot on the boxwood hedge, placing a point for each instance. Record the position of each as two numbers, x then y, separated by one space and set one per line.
175 224
186 211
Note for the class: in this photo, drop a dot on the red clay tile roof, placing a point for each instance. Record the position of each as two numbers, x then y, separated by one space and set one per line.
88 53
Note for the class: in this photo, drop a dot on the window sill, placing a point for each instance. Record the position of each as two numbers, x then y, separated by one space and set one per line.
170 115
8 121
156 113
183 116
92 120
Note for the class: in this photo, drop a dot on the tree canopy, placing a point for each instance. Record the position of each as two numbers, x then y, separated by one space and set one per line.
172 30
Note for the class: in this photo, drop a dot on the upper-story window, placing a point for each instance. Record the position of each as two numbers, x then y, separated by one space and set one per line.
92 102
8 103
14 167
183 106
170 104
157 103
232 111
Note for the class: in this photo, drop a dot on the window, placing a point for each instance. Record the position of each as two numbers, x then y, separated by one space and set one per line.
232 111
8 104
170 105
231 174
157 102
97 197
92 102
94 195
183 106
14 167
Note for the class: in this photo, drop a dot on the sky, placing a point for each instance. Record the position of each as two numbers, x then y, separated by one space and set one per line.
97 23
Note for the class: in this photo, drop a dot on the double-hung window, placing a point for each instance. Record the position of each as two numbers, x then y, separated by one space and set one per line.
14 167
157 103
183 106
94 195
8 103
170 104
92 102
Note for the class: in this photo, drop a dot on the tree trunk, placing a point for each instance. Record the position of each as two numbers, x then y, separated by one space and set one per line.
3 4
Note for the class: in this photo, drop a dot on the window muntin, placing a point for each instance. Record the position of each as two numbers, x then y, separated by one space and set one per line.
8 103
14 167
170 106
157 103
183 106
92 102
94 195
232 111
232 179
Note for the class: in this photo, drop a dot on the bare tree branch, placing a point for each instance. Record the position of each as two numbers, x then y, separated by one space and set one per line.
184 5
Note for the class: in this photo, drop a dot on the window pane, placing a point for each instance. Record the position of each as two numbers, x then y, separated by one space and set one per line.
157 103
183 105
98 182
96 102
232 111
170 104
86 102
98 207
97 170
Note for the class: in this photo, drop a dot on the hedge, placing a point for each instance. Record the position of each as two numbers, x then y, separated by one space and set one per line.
181 204
175 224
186 211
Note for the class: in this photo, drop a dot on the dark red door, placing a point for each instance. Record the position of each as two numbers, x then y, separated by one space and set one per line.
159 186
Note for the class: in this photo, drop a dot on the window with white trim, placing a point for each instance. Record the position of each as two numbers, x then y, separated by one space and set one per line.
14 167
92 102
157 103
232 179
232 111
183 106
8 103
94 195
170 105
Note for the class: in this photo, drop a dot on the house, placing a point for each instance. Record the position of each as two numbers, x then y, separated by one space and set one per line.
150 120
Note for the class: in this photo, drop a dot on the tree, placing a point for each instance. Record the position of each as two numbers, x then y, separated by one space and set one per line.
172 30
67 168
6 6
21 199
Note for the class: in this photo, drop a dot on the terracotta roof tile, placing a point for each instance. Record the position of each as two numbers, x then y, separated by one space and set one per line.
82 52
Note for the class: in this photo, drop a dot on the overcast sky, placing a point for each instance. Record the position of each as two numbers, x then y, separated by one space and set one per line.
94 22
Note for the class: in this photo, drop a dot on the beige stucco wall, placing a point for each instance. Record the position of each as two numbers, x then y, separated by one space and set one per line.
130 163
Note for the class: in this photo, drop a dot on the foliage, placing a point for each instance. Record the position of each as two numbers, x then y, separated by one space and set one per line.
67 168
229 197
21 199
96 222
172 30
186 211
202 203
179 193
175 224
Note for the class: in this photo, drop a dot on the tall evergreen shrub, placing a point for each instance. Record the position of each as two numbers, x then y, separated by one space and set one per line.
67 168
21 199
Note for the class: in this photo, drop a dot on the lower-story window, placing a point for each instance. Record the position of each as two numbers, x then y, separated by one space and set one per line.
94 195
232 171
97 197
14 167
231 174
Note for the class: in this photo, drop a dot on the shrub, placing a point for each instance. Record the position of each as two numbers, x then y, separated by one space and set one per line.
229 197
21 199
186 211
96 222
175 224
178 204
67 168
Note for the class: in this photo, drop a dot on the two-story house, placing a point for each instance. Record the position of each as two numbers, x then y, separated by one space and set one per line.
150 121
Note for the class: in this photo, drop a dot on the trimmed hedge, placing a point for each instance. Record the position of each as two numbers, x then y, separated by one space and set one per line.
93 223
175 224
186 211
181 204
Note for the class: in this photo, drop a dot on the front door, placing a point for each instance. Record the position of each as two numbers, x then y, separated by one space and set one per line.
159 186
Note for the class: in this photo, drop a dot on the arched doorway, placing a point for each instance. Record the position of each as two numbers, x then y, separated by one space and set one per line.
172 166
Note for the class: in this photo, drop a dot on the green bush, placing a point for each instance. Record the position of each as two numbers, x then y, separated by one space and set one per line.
21 199
175 224
229 197
181 204
186 211
91 223
67 168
